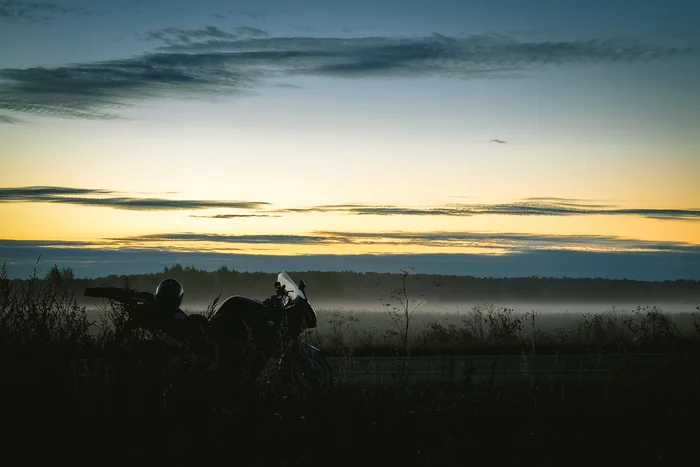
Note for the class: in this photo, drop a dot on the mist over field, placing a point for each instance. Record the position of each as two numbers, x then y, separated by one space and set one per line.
356 319
368 297
458 308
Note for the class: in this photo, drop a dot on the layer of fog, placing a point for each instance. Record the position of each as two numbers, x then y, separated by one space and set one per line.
462 307
373 315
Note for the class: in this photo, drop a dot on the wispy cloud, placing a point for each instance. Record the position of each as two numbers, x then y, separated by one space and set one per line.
527 207
41 193
508 241
361 209
179 36
235 216
255 15
97 90
85 197
9 119
34 12
434 55
233 239
531 207
250 31
219 64
499 141
497 241
186 36
555 199
10 244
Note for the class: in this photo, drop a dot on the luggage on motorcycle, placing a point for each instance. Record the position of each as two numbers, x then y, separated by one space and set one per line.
237 318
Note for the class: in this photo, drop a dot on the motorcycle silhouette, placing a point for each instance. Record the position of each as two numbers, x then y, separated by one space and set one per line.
242 336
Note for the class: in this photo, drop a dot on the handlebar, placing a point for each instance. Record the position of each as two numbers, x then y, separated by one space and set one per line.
119 294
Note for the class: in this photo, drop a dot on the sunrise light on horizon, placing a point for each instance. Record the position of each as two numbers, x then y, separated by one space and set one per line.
453 129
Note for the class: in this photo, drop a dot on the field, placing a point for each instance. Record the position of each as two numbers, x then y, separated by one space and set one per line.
487 329
52 412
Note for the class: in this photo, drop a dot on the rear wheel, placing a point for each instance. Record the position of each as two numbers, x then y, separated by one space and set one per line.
320 374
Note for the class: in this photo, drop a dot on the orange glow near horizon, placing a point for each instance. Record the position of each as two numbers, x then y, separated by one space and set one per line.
305 168
110 228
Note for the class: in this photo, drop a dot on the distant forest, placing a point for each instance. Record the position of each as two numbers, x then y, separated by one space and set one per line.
342 287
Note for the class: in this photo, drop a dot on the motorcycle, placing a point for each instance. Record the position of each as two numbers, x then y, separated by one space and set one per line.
247 335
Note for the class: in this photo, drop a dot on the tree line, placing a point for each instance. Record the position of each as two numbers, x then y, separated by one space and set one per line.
347 286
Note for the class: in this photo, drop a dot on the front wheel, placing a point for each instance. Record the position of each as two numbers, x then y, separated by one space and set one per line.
304 367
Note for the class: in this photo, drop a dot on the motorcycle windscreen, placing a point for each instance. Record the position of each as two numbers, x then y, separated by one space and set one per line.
302 315
296 294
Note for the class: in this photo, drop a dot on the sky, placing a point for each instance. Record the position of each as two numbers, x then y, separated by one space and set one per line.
491 138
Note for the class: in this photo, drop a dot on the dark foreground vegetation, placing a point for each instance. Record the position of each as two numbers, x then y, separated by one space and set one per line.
60 403
623 421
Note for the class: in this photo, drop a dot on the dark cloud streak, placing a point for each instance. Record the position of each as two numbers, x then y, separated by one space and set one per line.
65 195
34 12
546 207
186 36
245 239
179 36
31 193
515 241
497 241
220 66
250 31
9 119
95 91
255 15
10 244
235 216
528 207
174 37
557 199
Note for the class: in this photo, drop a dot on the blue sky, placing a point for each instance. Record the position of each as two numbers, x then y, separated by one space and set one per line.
181 124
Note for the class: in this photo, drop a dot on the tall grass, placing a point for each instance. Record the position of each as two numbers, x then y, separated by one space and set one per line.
486 328
41 318
52 410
